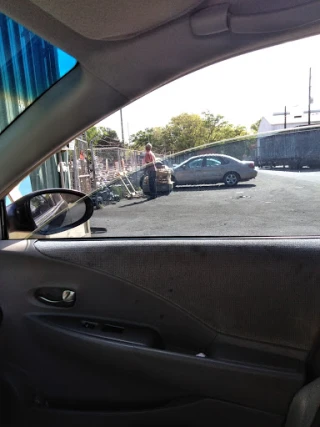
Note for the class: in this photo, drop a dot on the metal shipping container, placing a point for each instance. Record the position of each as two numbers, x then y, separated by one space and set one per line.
294 148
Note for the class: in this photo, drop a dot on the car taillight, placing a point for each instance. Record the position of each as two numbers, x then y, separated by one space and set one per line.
251 165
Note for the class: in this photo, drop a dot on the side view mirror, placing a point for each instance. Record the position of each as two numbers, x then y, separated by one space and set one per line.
184 166
49 211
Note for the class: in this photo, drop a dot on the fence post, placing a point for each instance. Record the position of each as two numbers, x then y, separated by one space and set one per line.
119 160
93 166
75 167
61 170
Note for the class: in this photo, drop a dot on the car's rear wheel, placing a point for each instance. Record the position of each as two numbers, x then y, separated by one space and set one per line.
231 179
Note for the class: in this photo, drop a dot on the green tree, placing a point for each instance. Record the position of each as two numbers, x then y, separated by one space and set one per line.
184 131
100 135
103 136
141 138
212 125
187 131
255 126
216 128
155 136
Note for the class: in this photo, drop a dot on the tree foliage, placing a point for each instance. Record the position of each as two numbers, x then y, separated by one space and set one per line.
255 126
218 129
103 136
186 131
100 135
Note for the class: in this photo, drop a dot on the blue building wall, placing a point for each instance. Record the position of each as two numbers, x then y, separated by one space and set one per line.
28 67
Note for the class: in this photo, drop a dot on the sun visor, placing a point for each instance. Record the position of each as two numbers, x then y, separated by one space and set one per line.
115 19
217 19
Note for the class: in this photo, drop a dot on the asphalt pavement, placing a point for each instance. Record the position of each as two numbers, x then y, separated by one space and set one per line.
276 203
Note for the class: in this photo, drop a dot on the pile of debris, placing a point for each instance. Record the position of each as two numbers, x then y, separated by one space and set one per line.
163 175
163 180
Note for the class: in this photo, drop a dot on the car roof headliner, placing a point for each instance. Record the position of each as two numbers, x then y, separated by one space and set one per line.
126 49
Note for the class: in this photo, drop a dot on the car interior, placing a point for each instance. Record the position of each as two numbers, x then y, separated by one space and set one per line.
172 331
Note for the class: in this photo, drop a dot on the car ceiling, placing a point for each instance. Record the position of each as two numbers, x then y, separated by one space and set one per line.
134 48
128 48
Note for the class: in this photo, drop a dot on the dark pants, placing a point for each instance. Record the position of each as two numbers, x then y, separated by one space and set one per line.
152 174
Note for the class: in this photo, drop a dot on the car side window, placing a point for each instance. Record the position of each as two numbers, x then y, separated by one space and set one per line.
194 164
262 155
212 162
224 160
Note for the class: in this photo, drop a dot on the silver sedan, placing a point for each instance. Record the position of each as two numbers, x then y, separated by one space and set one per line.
212 169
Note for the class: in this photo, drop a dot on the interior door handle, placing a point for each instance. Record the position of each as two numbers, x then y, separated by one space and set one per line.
56 296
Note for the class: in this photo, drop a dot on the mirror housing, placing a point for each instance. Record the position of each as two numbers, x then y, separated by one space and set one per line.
49 211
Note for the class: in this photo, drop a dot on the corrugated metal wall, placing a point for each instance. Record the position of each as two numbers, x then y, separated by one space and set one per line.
28 67
302 145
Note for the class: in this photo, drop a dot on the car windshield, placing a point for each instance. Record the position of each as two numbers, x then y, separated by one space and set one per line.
29 66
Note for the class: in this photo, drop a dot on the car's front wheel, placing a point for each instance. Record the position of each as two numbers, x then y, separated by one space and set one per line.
231 179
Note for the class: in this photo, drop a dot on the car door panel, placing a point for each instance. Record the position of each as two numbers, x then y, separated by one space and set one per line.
197 277
212 172
189 173
210 376
186 175
194 412
135 339
202 176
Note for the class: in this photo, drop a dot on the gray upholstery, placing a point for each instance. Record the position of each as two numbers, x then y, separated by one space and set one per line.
259 290
114 19
304 407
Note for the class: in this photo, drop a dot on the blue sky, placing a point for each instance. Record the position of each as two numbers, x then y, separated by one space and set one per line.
66 62
243 89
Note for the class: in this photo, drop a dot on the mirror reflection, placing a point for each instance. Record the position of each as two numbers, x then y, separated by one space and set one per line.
51 211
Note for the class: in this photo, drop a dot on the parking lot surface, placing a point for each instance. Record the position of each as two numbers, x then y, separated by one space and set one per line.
276 203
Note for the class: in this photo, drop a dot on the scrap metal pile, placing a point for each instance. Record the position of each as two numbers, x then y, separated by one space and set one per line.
163 180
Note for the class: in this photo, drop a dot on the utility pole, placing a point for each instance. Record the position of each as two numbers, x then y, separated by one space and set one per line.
129 139
285 117
122 132
310 99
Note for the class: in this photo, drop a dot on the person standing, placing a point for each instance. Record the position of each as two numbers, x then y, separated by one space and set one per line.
151 170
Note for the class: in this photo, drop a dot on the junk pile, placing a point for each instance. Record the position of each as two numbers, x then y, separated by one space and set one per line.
163 180
126 182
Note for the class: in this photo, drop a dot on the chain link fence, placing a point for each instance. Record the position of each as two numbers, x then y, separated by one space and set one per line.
93 167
